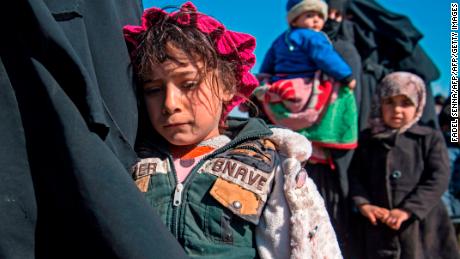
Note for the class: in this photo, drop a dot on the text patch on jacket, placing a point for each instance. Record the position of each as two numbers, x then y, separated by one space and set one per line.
245 178
146 167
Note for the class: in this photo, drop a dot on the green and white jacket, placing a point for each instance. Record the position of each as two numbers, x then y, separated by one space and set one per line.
250 198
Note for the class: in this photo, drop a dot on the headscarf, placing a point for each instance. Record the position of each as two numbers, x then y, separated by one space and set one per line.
339 5
397 83
232 46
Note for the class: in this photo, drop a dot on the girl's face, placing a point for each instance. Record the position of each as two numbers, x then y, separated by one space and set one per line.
311 20
184 108
397 111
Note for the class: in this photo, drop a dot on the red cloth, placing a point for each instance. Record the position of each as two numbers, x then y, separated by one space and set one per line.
302 99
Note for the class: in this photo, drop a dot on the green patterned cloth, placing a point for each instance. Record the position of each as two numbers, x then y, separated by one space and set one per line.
338 125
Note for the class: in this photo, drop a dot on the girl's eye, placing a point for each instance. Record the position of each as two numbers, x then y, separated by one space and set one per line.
388 101
406 103
190 85
151 90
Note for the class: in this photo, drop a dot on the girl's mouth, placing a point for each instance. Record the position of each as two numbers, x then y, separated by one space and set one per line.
173 125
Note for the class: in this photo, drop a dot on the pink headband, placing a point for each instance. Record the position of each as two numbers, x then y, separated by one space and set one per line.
230 45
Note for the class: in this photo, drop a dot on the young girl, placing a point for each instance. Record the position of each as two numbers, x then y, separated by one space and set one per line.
398 175
225 188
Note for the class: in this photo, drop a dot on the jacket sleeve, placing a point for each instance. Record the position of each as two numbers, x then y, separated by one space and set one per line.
434 180
312 234
295 223
356 174
268 65
326 58
272 232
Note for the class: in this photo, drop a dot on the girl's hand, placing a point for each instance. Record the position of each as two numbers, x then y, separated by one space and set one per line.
373 213
396 217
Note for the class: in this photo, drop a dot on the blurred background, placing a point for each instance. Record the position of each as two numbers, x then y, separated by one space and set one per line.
267 19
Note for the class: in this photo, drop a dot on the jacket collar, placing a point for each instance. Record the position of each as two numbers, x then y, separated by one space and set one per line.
419 130
239 130
390 140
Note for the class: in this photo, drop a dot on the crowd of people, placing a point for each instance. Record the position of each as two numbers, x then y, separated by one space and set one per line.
379 193
130 152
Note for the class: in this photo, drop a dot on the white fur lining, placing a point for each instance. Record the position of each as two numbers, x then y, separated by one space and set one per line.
291 144
309 233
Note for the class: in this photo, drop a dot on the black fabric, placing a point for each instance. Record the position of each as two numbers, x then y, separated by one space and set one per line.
384 27
389 42
445 116
339 5
331 28
68 123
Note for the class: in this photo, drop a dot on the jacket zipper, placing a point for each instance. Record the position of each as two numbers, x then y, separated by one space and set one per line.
178 194
181 188
177 199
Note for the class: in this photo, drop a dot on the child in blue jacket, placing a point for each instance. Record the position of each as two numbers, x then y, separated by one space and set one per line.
303 49
296 56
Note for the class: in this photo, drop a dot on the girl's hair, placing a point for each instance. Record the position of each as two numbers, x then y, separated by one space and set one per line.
197 46
227 54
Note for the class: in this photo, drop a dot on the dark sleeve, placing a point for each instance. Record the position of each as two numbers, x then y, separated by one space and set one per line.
65 188
357 174
268 65
326 58
434 180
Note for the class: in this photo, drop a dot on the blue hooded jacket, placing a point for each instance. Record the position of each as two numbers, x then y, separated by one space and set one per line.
299 52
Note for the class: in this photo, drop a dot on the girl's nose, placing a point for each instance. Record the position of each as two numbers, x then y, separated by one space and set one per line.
397 108
171 103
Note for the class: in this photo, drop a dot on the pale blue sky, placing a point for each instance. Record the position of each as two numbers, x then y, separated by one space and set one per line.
266 20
